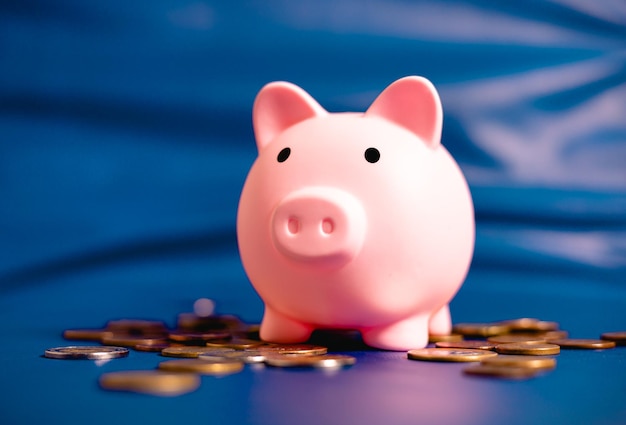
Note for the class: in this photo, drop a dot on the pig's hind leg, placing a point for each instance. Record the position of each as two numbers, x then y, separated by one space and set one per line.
277 327
440 322
404 335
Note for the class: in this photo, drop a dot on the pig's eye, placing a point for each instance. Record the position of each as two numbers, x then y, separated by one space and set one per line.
283 155
372 155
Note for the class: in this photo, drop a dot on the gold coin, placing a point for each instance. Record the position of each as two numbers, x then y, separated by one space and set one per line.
480 329
221 367
136 327
449 354
193 322
619 338
550 335
445 338
246 356
131 341
304 349
235 343
150 382
503 339
528 348
534 362
592 344
321 361
200 337
192 352
472 344
501 372
527 324
153 348
86 334
86 352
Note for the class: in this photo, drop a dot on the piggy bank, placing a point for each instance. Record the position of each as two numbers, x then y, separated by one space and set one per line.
358 221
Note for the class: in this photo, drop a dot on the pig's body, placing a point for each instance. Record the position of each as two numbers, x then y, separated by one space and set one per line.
366 222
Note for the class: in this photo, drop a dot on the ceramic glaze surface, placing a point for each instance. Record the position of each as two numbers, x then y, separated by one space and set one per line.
355 220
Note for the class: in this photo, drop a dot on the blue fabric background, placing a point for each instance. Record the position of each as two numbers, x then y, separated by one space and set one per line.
125 138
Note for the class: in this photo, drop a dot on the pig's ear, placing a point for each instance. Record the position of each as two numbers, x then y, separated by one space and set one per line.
278 106
413 103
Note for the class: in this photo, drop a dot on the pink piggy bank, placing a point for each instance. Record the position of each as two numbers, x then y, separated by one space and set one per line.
355 220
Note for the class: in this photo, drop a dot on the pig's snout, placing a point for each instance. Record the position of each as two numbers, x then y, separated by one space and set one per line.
319 225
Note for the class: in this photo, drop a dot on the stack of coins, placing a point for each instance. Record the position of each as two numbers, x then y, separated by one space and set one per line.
203 344
511 349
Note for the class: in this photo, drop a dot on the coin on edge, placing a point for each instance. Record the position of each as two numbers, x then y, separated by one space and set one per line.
150 382
471 344
86 352
192 351
449 354
222 367
533 362
618 338
528 348
319 361
501 372
590 344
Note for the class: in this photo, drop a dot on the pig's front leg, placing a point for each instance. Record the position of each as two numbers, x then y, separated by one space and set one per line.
440 322
399 336
277 327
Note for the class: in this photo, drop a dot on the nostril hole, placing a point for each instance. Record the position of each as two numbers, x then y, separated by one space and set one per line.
293 225
328 226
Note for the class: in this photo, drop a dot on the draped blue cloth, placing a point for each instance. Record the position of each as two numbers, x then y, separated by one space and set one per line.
125 139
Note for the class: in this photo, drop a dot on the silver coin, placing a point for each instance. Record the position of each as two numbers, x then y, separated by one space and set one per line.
321 361
86 352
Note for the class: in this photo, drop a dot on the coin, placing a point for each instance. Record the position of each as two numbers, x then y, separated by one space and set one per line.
86 352
480 329
534 362
445 338
136 327
153 348
503 339
193 322
449 354
132 341
150 382
86 334
592 344
304 349
221 367
528 348
619 338
472 344
527 324
200 337
501 372
192 352
236 343
246 356
318 361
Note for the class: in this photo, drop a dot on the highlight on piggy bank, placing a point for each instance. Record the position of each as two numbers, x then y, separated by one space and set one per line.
356 220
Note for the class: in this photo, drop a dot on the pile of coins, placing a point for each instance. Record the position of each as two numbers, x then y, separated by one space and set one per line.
512 349
215 345
208 344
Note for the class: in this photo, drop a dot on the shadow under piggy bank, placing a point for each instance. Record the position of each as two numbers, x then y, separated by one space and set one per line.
381 388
